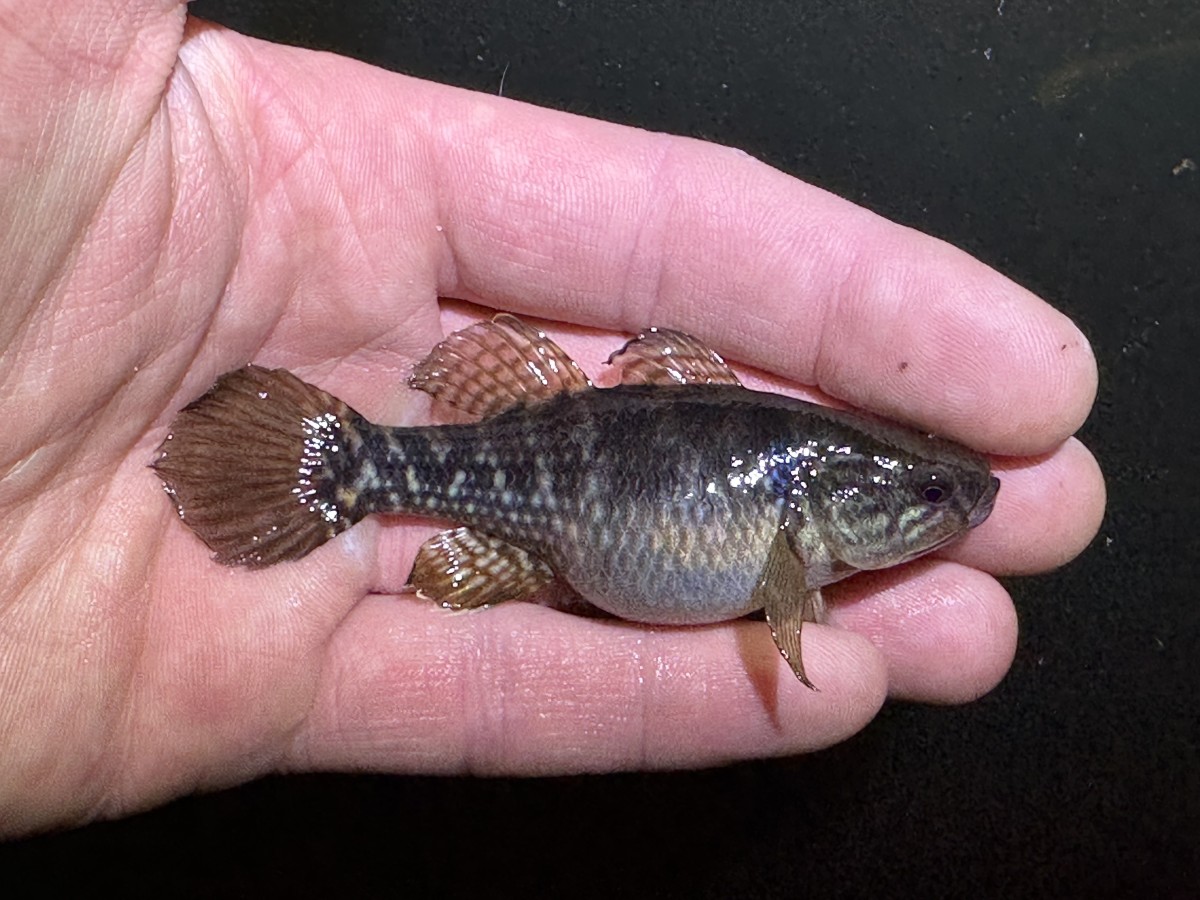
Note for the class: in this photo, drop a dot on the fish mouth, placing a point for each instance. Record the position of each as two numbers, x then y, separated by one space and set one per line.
983 506
980 511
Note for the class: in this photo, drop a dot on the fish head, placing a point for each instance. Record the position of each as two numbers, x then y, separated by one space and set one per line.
879 506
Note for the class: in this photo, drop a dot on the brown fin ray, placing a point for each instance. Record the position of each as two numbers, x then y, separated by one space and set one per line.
491 366
254 467
788 601
666 357
463 569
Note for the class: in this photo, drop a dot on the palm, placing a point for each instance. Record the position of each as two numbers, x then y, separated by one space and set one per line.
305 212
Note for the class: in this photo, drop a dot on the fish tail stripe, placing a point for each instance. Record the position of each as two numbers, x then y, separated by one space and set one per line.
255 466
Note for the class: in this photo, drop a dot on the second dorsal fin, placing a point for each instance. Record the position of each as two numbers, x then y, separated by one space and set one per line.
490 366
663 356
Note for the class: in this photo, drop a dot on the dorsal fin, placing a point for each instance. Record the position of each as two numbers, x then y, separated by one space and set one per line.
663 356
490 366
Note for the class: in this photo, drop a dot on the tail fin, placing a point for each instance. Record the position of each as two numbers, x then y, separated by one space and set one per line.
257 467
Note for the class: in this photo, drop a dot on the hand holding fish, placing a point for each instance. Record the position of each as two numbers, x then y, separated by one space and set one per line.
191 201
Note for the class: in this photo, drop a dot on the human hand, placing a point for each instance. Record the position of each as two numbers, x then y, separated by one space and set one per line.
180 201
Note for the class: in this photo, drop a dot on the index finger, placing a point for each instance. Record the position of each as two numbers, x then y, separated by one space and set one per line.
576 219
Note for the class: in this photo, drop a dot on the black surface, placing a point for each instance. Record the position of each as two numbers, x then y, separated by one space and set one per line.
1040 137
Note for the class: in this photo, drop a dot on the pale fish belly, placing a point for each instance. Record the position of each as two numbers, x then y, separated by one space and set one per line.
691 563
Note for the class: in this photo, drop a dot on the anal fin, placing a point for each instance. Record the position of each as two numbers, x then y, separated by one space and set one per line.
788 601
463 569
488 367
664 356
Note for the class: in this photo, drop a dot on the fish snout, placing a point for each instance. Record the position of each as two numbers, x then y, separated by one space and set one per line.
983 506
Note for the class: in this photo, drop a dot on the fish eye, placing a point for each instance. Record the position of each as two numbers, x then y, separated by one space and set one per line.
935 487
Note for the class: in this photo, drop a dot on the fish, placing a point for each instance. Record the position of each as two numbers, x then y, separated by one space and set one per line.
676 497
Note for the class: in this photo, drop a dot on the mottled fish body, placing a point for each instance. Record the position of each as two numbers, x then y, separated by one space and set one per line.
677 497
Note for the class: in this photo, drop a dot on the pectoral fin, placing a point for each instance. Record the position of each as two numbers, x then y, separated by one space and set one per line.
462 569
788 601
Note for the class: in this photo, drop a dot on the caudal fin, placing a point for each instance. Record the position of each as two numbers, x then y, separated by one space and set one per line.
257 467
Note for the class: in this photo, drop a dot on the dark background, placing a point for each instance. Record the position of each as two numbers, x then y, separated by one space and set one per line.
1047 139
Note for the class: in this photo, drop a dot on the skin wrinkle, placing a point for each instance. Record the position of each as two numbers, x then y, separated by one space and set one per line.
510 169
809 309
33 469
286 742
228 138
296 747
19 585
478 713
456 282
58 271
639 307
272 201
831 305
455 695
343 211
55 276
873 286
468 229
151 357
447 272
246 157
326 167
772 249
94 762
813 308
646 685
274 114
111 779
